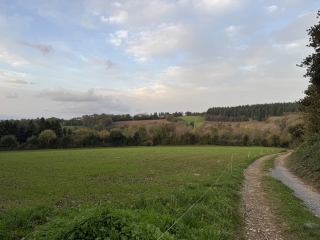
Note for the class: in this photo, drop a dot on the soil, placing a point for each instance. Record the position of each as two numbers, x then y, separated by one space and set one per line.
257 214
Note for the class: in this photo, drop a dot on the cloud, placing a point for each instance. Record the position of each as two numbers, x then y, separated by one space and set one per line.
16 81
289 32
165 40
271 9
118 37
45 49
109 63
83 102
12 59
11 95
120 18
216 6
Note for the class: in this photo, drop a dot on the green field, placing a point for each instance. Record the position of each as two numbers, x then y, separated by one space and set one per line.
162 181
198 120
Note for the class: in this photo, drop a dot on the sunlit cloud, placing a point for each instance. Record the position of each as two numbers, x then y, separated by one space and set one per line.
16 81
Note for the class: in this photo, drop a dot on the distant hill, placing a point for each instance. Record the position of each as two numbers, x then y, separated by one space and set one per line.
242 113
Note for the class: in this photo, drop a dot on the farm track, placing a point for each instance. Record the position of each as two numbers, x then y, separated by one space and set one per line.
259 220
306 193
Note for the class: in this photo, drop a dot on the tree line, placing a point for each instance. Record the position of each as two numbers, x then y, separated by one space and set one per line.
285 131
258 112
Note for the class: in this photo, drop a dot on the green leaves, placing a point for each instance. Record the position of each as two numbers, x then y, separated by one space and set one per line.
309 105
100 222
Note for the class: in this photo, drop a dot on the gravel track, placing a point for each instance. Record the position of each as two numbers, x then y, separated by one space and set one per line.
304 192
257 214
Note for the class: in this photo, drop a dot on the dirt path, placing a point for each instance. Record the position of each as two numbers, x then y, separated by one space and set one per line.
255 207
306 193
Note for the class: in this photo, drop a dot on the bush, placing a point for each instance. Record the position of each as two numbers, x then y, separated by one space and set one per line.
100 222
8 142
306 160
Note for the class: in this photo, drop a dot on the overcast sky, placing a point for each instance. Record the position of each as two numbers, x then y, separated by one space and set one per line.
71 58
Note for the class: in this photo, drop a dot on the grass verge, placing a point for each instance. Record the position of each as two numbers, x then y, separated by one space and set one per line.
305 161
293 218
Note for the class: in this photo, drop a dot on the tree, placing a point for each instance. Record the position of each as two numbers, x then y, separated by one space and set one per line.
117 138
8 142
309 105
47 139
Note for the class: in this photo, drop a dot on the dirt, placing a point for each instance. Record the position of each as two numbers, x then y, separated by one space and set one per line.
257 214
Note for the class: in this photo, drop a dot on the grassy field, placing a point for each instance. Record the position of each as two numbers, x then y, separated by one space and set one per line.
198 120
37 186
293 218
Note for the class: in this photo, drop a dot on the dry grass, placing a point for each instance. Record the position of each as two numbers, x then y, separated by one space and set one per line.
140 122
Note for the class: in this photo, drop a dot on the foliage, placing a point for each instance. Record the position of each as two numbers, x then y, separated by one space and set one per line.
259 112
101 222
305 160
309 105
48 139
16 222
285 131
8 142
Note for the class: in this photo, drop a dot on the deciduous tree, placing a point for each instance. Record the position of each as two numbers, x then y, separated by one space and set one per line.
309 105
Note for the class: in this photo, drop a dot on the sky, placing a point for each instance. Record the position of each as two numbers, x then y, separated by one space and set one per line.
72 58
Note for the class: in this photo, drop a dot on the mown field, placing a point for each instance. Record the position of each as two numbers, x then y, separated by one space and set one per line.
160 184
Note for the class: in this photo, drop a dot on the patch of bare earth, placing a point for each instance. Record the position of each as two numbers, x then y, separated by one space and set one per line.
259 220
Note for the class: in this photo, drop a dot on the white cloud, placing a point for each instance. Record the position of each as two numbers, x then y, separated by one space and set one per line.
12 59
165 40
118 37
216 6
16 81
232 30
271 9
120 18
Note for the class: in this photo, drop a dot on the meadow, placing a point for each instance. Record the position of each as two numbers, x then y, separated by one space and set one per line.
149 187
198 120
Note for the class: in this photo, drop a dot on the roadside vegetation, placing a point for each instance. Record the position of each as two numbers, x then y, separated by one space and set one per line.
292 216
61 194
305 162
